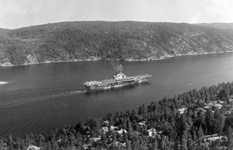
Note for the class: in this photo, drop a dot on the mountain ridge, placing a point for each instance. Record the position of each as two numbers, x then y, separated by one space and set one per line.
128 40
217 25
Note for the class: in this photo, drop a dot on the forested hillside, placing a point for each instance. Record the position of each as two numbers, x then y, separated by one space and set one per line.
72 41
223 26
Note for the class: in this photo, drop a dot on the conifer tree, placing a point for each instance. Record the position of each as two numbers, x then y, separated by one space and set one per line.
200 133
209 119
230 138
184 141
128 145
1 144
155 144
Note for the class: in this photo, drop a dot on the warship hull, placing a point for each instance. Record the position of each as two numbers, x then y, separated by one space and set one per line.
118 81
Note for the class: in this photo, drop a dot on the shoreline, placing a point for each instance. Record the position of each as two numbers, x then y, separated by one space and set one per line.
8 64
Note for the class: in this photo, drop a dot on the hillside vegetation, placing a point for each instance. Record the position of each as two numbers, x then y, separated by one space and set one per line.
72 41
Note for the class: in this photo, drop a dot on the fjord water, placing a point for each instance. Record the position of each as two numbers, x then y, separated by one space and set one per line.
34 98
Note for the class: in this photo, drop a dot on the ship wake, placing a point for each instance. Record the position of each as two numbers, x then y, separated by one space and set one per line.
23 101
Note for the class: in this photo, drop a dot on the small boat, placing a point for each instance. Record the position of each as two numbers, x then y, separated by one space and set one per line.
118 80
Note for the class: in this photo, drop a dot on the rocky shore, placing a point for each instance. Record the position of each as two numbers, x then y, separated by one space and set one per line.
34 61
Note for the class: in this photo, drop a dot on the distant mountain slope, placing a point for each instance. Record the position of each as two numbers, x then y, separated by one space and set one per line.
223 26
70 41
3 30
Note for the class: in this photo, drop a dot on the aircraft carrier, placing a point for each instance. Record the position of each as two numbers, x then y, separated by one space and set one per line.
118 80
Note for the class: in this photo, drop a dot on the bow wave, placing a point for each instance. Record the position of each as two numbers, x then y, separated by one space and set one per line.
3 82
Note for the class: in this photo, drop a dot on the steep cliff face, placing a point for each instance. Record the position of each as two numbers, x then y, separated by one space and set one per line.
72 41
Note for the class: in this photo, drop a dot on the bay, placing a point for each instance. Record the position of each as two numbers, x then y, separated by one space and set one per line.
38 98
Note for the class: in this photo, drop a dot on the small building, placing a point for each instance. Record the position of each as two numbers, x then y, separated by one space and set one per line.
87 128
86 146
181 110
219 106
113 128
152 132
95 139
221 102
105 129
32 147
121 131
142 123
213 104
229 111
214 137
121 144
106 123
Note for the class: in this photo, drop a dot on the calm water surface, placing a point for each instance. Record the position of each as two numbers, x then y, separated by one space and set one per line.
35 100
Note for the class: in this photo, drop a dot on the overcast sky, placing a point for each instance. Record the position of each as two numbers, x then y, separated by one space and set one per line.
20 13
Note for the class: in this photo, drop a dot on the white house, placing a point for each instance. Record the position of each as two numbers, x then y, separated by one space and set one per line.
113 127
105 129
152 132
181 110
96 139
142 123
121 131
106 122
32 147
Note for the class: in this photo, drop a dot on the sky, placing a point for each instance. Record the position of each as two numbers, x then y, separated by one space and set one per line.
20 13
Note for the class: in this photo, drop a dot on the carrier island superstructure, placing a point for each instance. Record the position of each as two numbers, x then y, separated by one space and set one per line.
118 80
